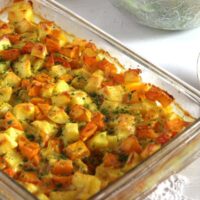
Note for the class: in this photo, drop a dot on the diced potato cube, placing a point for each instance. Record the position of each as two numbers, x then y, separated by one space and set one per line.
57 115
94 82
11 80
61 100
39 50
57 71
70 133
30 187
19 11
3 67
47 90
42 196
4 43
63 195
60 87
45 127
4 108
86 185
113 93
98 141
5 94
14 159
6 145
24 26
13 135
24 111
23 68
80 97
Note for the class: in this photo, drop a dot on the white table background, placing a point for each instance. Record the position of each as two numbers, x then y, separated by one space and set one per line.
175 51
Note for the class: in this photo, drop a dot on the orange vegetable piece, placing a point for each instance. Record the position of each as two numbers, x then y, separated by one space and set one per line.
132 75
9 171
49 62
111 160
34 91
62 168
11 121
130 145
149 150
118 78
146 132
43 77
80 113
14 38
61 61
52 45
44 108
27 48
163 138
25 83
27 148
176 125
107 67
29 177
10 54
98 119
64 181
89 130
37 100
77 150
156 94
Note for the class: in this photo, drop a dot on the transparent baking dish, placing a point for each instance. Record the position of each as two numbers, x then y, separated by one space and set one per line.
174 156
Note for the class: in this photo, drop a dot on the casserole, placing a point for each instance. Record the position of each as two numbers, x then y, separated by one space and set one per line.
170 84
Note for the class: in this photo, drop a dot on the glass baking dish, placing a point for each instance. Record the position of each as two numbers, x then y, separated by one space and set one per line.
174 156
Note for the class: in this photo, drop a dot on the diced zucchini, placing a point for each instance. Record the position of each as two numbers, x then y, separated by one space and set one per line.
4 43
70 133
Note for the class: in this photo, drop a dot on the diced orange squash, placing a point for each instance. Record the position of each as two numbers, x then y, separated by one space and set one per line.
27 48
11 121
130 145
111 160
149 150
132 75
62 168
146 132
98 119
157 94
29 177
49 62
10 54
88 131
14 38
52 45
80 114
64 181
77 150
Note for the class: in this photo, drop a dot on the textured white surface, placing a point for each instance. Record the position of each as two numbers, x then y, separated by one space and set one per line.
175 51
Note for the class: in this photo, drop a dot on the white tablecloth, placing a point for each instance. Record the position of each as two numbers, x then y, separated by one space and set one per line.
175 51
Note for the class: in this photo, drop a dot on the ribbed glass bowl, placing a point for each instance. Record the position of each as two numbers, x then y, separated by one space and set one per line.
163 14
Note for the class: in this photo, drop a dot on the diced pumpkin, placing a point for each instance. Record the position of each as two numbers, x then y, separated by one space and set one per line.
156 94
77 150
149 150
29 177
62 168
10 54
132 75
39 50
146 132
80 113
88 131
111 160
130 145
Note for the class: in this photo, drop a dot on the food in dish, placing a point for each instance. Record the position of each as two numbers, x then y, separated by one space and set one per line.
72 121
